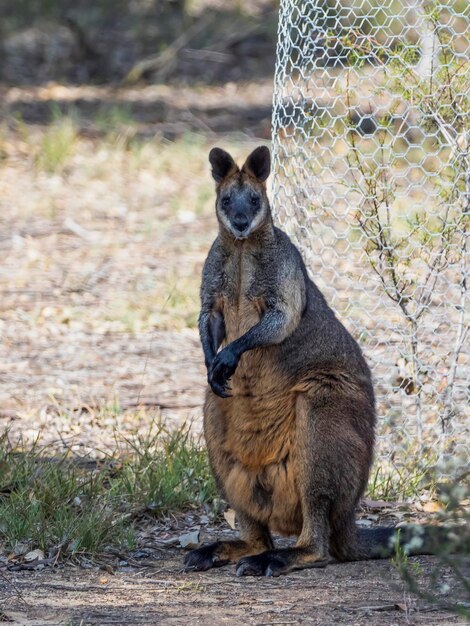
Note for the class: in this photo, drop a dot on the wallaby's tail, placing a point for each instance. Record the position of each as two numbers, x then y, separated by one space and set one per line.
382 542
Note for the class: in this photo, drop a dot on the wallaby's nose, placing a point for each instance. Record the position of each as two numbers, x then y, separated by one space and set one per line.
240 222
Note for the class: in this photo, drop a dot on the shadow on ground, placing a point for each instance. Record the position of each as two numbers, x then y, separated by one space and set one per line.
149 111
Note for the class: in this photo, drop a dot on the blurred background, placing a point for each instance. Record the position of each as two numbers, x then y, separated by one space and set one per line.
108 110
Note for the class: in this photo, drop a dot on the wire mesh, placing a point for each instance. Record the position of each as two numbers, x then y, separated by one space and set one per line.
371 138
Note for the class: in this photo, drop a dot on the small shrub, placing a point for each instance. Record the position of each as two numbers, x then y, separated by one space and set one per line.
453 555
57 145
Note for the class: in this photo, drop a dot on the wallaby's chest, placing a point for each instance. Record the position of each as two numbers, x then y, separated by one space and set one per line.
243 302
241 297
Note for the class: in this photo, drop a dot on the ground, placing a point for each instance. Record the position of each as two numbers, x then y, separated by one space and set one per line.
367 593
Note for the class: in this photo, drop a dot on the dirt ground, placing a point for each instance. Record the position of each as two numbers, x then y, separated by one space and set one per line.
102 259
158 592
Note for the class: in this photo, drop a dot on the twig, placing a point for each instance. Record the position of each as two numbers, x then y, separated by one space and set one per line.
13 586
72 226
17 567
160 404
278 622
462 328
378 607
158 62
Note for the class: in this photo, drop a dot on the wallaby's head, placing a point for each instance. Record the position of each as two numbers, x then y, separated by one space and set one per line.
242 204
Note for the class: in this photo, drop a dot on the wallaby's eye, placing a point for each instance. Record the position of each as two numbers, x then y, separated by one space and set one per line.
225 200
254 199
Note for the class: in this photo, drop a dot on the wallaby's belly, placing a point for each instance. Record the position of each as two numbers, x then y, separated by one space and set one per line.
259 441
268 494
257 436
258 430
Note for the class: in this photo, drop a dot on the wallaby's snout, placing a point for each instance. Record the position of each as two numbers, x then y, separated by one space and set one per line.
242 204
240 222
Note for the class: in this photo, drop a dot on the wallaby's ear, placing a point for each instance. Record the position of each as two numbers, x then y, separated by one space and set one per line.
258 164
222 164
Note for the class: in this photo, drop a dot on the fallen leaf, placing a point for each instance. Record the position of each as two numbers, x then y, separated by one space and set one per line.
34 555
431 507
104 581
229 515
189 540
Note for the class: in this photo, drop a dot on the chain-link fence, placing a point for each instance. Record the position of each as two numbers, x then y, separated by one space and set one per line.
371 137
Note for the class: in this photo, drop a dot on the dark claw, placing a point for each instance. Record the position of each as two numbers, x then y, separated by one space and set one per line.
272 572
246 569
219 385
220 390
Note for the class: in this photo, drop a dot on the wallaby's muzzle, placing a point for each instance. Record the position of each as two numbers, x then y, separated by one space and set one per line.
240 223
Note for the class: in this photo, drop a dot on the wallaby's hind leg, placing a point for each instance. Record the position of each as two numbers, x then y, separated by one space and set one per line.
254 538
311 549
343 540
332 455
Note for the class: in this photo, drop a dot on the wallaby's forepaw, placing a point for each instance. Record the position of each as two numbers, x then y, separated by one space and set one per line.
203 558
223 367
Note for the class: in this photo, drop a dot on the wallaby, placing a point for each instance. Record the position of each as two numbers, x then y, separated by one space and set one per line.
291 440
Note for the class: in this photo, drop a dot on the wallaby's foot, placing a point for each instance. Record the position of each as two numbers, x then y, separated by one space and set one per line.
218 554
204 558
277 562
